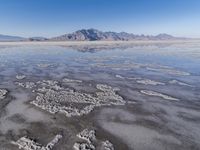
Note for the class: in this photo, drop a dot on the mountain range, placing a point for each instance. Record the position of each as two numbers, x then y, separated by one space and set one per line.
5 38
92 35
96 35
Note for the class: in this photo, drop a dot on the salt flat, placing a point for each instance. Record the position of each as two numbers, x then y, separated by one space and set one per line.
101 95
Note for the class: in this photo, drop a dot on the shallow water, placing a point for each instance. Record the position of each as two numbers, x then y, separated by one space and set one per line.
144 122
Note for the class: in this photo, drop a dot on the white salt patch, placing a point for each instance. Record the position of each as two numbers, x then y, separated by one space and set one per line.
27 85
44 65
149 82
20 77
169 71
3 93
132 78
106 145
83 146
153 93
28 144
50 99
179 83
66 80
88 136
119 76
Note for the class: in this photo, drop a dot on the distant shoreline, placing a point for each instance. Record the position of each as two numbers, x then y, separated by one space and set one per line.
93 43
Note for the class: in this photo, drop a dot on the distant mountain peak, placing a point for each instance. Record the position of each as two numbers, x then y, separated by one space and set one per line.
165 36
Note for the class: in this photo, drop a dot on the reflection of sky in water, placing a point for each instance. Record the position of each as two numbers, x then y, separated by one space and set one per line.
185 59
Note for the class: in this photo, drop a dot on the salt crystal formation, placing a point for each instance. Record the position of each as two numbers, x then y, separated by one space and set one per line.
55 99
106 145
20 77
153 93
53 142
83 146
28 144
49 84
51 102
27 85
89 137
3 93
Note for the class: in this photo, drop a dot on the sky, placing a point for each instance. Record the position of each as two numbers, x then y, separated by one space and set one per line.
49 18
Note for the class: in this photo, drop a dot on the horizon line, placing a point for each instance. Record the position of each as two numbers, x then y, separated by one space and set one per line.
141 34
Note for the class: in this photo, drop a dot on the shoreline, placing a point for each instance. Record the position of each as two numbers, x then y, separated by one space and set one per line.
93 43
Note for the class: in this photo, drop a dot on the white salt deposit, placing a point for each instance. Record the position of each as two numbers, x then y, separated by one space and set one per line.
27 85
83 146
149 82
3 93
87 135
179 83
106 145
89 138
169 71
66 80
20 77
153 93
50 96
119 76
28 144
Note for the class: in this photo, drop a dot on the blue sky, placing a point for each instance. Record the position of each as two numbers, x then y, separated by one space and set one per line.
54 17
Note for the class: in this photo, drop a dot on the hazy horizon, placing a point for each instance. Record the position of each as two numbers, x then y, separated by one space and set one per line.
51 18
